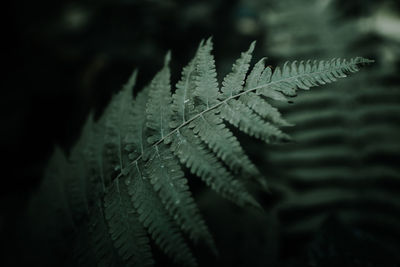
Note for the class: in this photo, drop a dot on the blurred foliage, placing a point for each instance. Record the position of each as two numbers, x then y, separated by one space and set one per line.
66 57
344 161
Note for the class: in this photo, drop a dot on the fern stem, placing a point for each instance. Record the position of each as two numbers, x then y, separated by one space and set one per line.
340 67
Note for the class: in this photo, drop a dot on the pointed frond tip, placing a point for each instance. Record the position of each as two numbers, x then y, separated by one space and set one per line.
363 60
134 155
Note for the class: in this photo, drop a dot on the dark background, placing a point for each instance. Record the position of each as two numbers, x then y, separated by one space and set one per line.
63 59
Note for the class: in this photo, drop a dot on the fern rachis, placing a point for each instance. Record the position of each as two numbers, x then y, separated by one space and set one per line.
337 71
146 140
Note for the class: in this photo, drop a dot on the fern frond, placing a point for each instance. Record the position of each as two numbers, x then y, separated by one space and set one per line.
133 154
183 100
128 235
212 131
163 168
156 219
71 178
207 89
92 158
201 139
136 139
255 74
117 122
234 81
158 99
167 179
83 171
158 105
264 109
259 74
204 164
99 238
308 74
242 117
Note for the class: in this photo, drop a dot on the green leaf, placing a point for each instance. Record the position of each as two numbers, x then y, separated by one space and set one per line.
183 98
234 81
242 117
191 152
168 181
156 219
129 237
159 104
212 131
206 79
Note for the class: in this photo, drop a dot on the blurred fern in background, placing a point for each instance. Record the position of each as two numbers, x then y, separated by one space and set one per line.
345 160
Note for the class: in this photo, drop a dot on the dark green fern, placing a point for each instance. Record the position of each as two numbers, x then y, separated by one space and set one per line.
345 160
127 182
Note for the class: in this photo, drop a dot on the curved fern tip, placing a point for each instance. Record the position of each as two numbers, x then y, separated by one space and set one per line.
209 41
167 58
366 60
252 46
131 81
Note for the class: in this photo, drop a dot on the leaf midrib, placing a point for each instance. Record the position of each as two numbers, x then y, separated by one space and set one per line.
230 98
